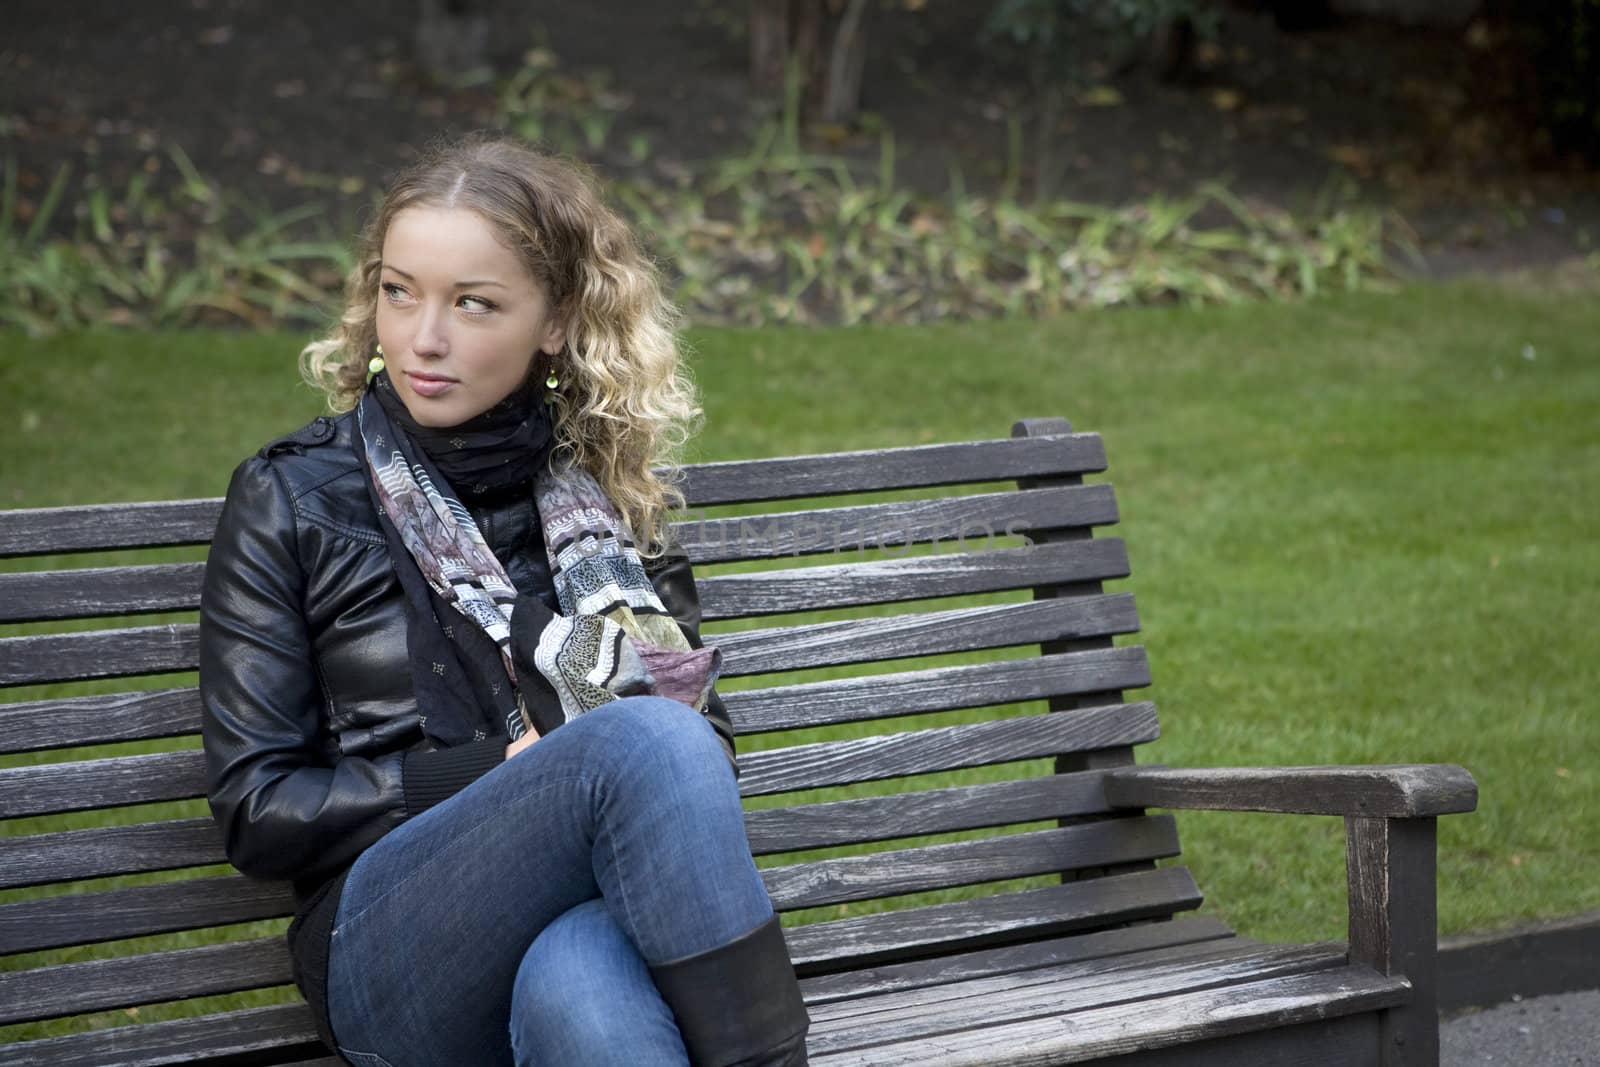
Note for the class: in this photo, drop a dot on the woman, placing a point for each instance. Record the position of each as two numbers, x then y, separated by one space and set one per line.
447 694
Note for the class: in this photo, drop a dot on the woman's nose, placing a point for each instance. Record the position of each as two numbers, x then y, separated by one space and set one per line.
431 338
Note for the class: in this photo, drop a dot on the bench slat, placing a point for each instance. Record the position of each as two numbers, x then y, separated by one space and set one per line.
862 698
31 596
959 863
81 785
975 521
124 981
87 918
286 1028
175 646
62 722
92 527
49 531
941 970
1057 992
67 855
887 937
1162 1022
846 641
1059 989
931 811
946 748
887 581
829 474
34 725
42 658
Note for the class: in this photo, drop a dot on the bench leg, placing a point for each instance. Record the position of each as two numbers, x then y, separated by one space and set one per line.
1394 926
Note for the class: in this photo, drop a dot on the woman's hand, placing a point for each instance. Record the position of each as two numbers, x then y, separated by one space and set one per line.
521 743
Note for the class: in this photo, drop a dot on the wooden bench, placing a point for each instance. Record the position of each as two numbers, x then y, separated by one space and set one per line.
1089 957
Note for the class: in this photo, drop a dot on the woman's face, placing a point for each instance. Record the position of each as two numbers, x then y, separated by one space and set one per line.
459 317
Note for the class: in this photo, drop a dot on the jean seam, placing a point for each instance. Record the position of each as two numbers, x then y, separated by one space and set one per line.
487 820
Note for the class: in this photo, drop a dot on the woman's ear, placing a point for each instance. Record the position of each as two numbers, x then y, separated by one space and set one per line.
555 339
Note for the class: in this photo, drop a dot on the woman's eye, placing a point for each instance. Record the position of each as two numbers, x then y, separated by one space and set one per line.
476 304
392 291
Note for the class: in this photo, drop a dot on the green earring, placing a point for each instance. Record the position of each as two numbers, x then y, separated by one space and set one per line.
552 382
375 365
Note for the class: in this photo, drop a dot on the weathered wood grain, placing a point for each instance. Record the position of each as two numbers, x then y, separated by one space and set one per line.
32 725
971 522
119 653
66 721
1394 925
1141 1024
868 940
931 633
913 577
930 811
253 1032
51 531
67 855
839 700
86 918
866 982
124 981
974 522
943 748
80 785
959 863
1058 990
870 470
1406 790
30 596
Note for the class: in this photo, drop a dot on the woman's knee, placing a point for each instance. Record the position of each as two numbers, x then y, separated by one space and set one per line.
665 734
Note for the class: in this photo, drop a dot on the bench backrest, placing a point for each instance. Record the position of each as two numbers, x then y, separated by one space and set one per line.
935 719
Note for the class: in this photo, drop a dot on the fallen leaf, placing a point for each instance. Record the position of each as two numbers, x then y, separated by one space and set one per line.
1100 96
1562 772
1356 157
1226 99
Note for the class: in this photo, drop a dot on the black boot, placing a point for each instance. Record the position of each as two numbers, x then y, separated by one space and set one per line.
738 1005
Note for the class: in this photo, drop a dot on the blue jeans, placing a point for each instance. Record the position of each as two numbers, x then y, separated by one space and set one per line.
515 922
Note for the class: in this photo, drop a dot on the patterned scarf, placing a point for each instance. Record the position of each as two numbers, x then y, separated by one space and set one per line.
611 638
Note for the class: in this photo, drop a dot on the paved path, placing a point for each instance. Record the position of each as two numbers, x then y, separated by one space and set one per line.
1554 1031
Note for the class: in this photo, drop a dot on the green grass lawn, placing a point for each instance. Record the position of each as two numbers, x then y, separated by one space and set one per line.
1361 529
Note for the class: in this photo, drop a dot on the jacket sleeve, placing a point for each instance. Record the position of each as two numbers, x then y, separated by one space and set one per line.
674 584
285 807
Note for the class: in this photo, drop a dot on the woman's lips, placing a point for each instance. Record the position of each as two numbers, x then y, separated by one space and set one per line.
429 386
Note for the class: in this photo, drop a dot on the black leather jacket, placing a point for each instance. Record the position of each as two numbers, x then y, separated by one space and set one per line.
312 737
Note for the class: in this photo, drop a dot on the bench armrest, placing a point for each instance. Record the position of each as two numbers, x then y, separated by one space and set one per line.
1390 859
1396 791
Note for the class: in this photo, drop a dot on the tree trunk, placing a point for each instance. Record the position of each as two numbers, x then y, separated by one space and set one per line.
769 44
841 102
825 39
451 38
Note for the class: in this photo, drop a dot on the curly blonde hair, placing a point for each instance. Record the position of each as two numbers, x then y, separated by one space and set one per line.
626 403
